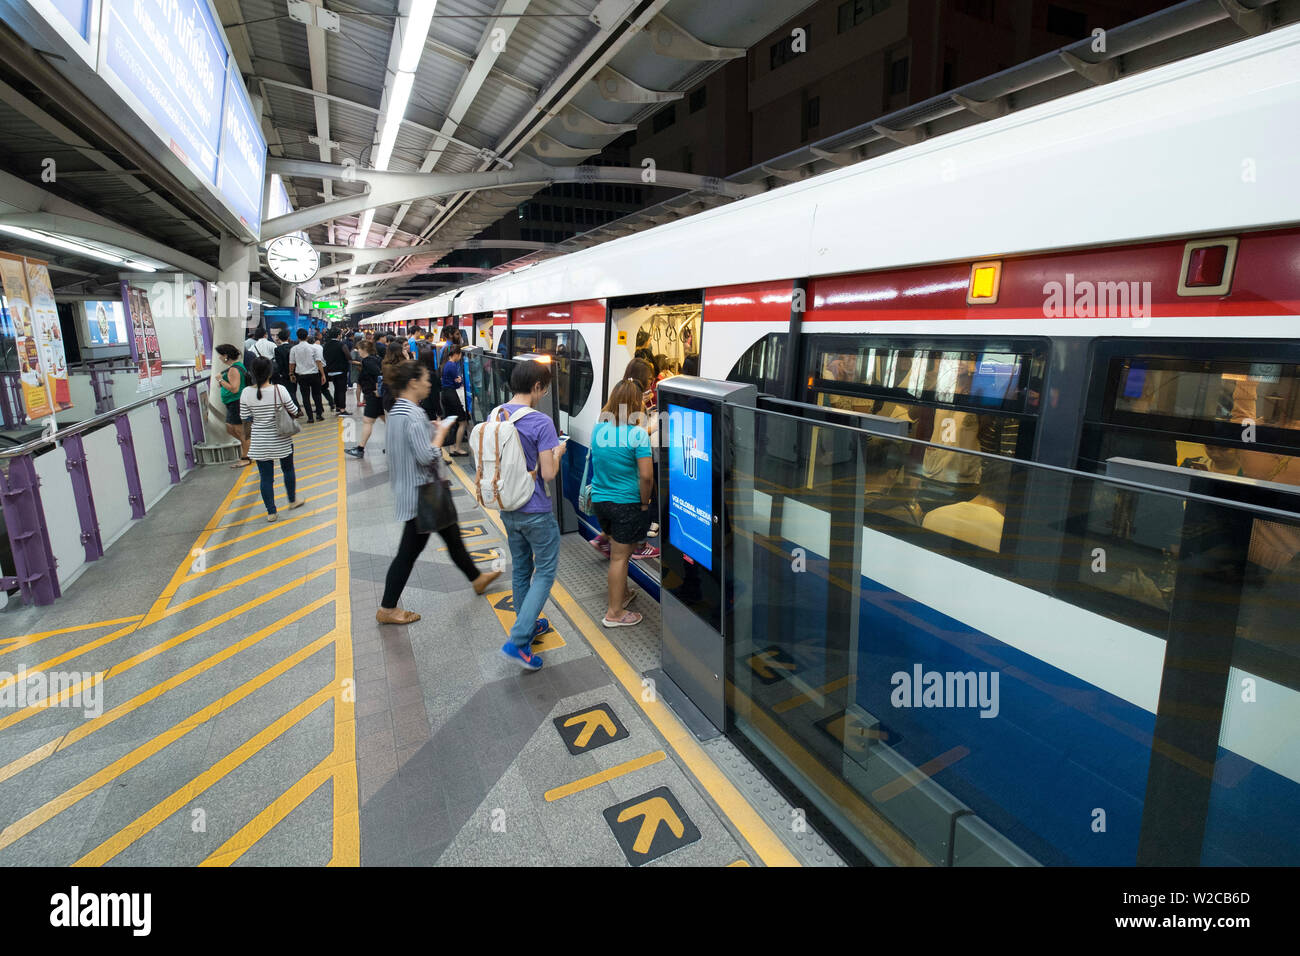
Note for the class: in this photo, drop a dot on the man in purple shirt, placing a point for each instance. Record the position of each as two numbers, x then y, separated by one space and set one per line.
532 531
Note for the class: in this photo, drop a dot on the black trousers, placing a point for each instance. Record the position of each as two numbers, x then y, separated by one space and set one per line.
310 386
409 549
339 381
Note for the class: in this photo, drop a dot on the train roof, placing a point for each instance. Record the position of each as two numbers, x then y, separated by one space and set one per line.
1203 145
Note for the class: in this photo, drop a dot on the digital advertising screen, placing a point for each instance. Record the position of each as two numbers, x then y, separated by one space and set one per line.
690 483
106 323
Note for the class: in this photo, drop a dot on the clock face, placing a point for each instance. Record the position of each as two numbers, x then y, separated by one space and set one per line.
292 259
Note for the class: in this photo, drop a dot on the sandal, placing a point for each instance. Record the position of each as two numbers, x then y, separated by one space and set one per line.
629 619
241 463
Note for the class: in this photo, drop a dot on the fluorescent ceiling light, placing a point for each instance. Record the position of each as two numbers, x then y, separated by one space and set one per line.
417 32
398 96
68 244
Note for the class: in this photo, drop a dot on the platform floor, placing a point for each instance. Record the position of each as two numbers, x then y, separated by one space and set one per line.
237 704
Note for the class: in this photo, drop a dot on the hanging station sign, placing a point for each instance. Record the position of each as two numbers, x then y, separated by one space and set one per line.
161 66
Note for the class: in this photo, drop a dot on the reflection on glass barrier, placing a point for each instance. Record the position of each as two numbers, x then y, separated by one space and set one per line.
973 672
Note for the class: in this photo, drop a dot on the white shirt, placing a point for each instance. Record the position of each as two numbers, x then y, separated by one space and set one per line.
320 352
303 359
264 348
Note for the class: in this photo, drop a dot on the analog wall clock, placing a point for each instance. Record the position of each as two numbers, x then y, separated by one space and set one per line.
292 258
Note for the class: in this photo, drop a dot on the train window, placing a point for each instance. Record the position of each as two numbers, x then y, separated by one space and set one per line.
760 366
573 370
1238 414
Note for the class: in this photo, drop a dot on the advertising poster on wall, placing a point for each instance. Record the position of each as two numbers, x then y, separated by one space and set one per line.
196 308
106 323
36 396
144 337
49 336
690 480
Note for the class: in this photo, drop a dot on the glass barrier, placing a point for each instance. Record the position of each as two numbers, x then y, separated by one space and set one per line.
979 661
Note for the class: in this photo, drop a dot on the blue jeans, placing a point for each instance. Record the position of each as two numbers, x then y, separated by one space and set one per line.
534 544
266 472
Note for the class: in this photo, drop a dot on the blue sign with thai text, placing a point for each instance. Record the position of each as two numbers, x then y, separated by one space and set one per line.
170 55
243 154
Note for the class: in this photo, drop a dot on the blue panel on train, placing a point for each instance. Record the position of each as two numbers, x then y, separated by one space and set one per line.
1253 813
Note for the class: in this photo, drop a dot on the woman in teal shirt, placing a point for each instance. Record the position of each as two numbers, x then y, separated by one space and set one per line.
622 482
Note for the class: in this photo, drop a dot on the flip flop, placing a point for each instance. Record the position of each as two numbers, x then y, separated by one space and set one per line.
624 620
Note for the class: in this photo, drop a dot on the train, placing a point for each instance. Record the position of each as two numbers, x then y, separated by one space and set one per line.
1114 274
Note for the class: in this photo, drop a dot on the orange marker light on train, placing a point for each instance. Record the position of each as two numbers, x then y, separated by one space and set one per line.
985 278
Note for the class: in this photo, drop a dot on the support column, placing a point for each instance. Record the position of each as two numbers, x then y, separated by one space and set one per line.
228 308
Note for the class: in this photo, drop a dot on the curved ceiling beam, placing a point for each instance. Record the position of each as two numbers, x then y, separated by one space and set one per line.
392 188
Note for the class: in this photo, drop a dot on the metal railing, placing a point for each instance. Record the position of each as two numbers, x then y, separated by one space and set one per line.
48 543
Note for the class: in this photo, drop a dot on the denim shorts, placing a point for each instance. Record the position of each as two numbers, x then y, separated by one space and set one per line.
232 414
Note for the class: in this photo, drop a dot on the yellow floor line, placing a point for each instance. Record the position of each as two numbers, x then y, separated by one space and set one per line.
253 576
760 836
262 550
29 639
67 656
48 811
271 815
279 476
139 700
596 779
800 699
347 801
164 808
323 494
131 662
83 730
281 496
270 527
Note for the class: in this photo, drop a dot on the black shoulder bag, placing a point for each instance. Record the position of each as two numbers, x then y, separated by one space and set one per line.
435 509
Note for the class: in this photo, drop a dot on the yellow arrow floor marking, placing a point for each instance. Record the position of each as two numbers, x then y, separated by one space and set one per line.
591 720
656 810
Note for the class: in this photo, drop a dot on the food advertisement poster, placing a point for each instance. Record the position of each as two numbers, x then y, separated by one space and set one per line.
36 395
143 338
49 336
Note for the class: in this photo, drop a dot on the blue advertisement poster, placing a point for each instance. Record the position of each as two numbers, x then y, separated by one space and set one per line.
243 155
690 483
106 323
169 54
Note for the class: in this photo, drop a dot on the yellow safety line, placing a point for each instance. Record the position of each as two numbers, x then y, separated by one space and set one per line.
347 801
83 730
130 662
739 863
271 815
108 638
281 495
207 595
48 811
596 779
262 550
800 699
746 819
297 478
29 639
155 612
164 808
277 526
41 635
323 494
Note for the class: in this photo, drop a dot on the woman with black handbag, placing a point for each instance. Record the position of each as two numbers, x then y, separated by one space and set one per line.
421 491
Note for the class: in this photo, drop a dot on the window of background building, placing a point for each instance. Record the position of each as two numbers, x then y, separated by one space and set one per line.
949 68
980 9
664 118
853 12
898 77
1066 22
697 100
783 51
811 116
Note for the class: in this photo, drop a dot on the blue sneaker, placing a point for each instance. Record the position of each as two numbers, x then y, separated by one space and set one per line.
543 625
523 656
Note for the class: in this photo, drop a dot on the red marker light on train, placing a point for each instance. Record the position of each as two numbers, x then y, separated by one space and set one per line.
1205 266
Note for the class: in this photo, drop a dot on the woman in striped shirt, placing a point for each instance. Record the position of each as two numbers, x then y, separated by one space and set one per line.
257 404
414 460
